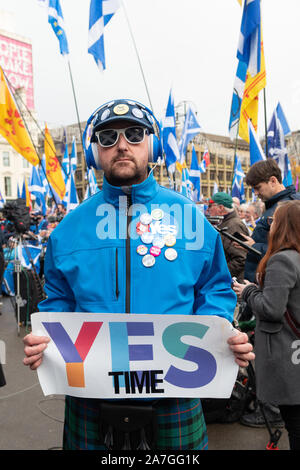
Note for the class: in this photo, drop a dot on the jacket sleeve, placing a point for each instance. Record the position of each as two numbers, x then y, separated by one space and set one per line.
60 297
213 292
270 303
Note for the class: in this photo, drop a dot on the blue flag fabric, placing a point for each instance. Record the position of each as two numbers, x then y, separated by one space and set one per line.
237 189
195 173
56 19
23 193
190 129
186 185
276 145
73 156
249 46
37 189
283 121
237 98
101 12
71 199
256 151
170 144
2 200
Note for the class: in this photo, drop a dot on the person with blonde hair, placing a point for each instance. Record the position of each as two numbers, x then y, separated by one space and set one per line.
275 302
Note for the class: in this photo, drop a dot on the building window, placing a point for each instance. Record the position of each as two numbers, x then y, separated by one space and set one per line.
7 186
25 163
5 158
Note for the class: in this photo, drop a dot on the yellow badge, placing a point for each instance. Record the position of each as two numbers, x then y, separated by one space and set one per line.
121 109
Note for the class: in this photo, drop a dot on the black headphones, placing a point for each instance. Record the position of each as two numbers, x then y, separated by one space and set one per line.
117 110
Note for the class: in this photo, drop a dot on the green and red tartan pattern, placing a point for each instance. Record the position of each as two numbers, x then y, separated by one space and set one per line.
181 424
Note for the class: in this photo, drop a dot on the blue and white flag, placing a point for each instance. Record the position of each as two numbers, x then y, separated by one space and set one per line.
186 184
276 146
71 198
36 188
195 173
256 151
237 189
28 255
216 188
42 175
65 164
170 144
56 19
92 182
190 129
2 200
101 12
283 121
237 98
249 47
73 156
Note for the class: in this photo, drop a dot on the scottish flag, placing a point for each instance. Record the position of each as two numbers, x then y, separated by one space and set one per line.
237 98
92 182
190 129
30 255
237 189
170 144
56 19
249 49
65 164
256 151
215 188
43 178
101 12
73 156
71 198
186 184
37 189
276 144
2 200
195 176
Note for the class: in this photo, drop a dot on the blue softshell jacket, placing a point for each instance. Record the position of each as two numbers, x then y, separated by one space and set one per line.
91 265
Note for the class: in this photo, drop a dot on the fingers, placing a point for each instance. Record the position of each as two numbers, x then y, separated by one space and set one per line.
34 348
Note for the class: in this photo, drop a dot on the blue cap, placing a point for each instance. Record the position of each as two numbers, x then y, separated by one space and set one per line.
123 110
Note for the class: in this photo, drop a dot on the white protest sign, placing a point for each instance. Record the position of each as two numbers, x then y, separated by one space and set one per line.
135 356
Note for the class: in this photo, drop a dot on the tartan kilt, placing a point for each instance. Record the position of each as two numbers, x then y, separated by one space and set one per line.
180 424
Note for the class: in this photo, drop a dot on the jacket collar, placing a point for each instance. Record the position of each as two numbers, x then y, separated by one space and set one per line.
140 193
281 195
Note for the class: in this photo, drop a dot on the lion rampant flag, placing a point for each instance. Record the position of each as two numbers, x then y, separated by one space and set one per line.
12 127
53 168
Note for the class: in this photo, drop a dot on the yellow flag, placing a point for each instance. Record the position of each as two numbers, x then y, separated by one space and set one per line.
53 168
12 127
249 109
28 196
240 2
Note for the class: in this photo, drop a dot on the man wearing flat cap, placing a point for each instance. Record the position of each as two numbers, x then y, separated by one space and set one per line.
221 204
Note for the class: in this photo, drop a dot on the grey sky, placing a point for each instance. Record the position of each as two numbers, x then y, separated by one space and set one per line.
190 45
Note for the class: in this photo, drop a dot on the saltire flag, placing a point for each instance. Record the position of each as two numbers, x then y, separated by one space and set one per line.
283 121
53 168
2 200
18 192
249 50
186 184
170 144
42 175
195 176
206 157
202 166
238 189
92 182
65 164
29 256
256 151
276 145
37 189
12 127
101 12
71 198
73 156
190 129
237 98
56 19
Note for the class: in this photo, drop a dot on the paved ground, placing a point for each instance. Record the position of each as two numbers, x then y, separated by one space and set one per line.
30 421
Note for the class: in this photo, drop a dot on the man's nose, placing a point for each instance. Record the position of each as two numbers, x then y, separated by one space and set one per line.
122 142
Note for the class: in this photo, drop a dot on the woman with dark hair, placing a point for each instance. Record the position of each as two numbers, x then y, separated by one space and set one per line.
275 302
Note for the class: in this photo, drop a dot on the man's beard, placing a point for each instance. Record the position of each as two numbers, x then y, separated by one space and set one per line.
119 175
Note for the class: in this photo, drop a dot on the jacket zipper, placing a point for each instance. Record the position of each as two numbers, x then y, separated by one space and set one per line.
128 264
117 280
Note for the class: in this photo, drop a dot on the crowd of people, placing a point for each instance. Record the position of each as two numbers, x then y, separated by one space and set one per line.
227 268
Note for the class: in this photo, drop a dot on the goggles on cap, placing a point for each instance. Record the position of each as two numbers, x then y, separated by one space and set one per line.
109 137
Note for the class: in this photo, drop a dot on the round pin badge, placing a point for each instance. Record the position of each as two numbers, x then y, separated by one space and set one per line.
171 254
141 228
148 261
170 239
158 241
157 214
137 113
146 218
155 251
147 238
121 109
142 250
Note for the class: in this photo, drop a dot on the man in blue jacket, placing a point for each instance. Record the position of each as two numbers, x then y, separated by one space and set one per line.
135 247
